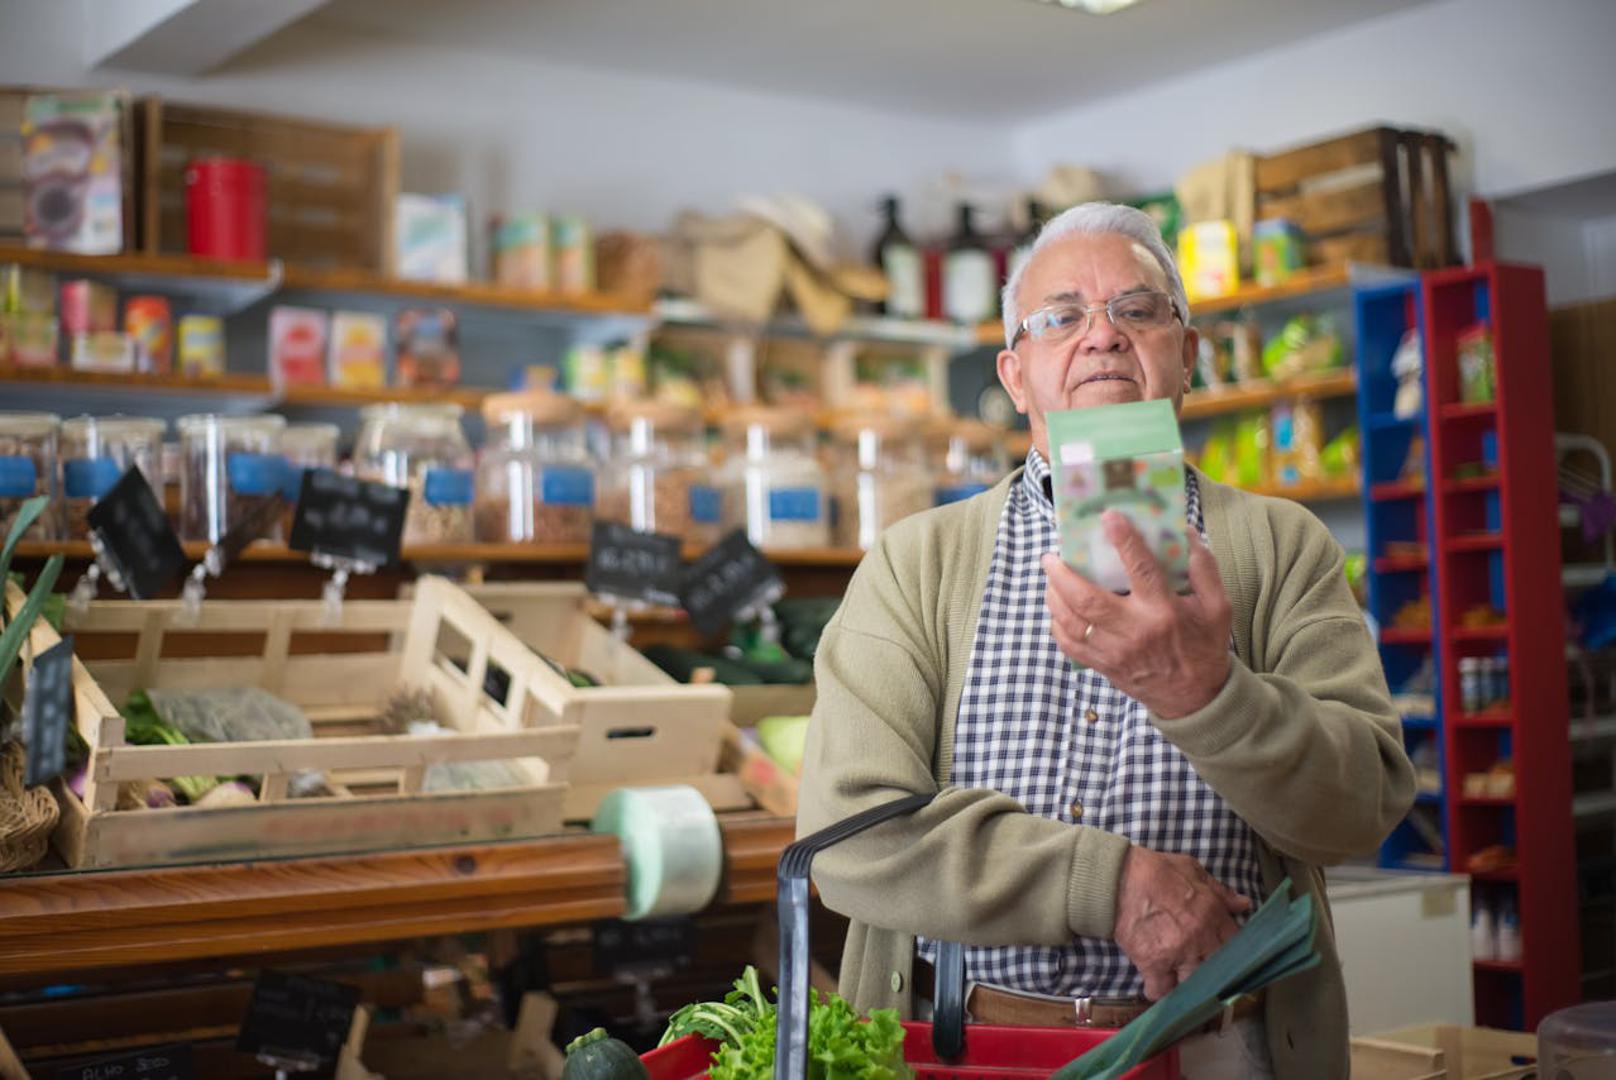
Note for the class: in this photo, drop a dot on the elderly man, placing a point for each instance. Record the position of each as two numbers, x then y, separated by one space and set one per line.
1118 778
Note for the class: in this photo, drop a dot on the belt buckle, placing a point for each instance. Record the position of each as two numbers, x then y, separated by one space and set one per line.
1085 1008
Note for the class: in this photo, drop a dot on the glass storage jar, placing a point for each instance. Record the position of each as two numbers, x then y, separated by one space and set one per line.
96 452
879 476
774 486
966 458
305 446
231 465
535 478
420 448
28 446
658 478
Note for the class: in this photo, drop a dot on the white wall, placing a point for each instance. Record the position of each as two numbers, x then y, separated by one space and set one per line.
622 150
1526 88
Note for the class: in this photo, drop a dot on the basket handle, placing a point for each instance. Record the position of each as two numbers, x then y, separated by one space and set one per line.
791 879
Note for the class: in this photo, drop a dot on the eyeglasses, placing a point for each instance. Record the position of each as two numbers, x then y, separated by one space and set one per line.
1131 311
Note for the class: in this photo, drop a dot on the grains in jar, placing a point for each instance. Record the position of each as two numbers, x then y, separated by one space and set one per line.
28 454
96 452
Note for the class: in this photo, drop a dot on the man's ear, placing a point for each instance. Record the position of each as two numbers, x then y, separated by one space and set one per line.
1192 352
1010 375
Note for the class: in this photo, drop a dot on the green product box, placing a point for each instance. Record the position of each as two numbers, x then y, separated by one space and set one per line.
1128 458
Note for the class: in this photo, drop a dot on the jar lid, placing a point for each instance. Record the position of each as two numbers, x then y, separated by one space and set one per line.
198 422
849 426
310 433
541 406
977 435
29 423
784 422
114 427
400 410
665 415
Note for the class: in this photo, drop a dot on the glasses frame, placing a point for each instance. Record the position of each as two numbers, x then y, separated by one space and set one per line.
1090 309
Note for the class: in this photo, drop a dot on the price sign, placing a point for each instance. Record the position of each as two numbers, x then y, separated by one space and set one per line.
135 535
727 579
645 945
266 511
633 565
299 1021
156 1063
348 518
47 709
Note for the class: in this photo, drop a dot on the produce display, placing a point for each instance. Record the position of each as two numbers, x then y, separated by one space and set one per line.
840 1042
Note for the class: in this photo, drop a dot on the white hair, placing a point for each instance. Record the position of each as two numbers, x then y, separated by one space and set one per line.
1089 219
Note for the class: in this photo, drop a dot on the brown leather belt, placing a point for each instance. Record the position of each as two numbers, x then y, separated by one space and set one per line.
992 1005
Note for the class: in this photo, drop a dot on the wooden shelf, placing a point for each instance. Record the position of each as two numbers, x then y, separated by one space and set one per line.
1302 283
1487 718
1318 491
1481 633
81 921
1397 489
181 273
1399 636
1478 411
1471 483
1511 967
1504 876
1255 395
1483 541
556 554
237 386
1399 564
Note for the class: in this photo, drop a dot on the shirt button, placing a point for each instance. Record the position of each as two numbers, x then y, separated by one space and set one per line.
1077 811
1091 716
897 982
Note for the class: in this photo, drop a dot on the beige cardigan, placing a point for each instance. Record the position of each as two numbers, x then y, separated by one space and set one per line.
1302 743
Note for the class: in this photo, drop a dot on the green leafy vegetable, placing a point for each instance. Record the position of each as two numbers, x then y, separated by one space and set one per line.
840 1044
143 727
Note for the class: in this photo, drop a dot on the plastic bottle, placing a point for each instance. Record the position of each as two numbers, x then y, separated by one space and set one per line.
1508 932
1483 930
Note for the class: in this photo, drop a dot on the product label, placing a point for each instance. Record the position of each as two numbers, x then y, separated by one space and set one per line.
706 504
18 478
447 487
957 492
89 478
906 281
567 487
794 504
255 474
968 286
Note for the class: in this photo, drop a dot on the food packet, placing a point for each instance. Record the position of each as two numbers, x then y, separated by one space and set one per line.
1130 458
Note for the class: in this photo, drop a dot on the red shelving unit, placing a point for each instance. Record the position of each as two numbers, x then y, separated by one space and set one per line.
1497 543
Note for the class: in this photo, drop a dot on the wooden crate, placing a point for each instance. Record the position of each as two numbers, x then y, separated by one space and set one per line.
1438 1051
1377 196
340 676
330 187
640 726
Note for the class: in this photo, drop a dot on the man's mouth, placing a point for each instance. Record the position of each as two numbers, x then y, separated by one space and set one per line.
1107 376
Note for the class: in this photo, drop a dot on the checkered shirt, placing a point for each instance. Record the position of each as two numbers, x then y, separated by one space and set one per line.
1056 737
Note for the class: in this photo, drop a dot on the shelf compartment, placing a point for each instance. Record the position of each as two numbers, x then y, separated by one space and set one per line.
1392 422
1401 636
1465 411
1509 875
1478 541
1507 967
1487 800
1481 633
1489 719
1420 723
1401 564
1488 482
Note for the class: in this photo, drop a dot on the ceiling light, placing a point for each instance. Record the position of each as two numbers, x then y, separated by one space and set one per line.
1094 7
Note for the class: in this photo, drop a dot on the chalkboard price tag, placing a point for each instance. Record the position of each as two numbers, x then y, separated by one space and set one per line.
171 1062
727 579
299 1022
47 709
136 536
348 518
645 945
633 565
256 523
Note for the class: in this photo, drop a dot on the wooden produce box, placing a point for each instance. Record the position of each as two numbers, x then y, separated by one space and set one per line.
330 188
340 676
639 727
1444 1052
1379 195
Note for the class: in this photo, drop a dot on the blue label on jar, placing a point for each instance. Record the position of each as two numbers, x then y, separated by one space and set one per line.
706 505
567 487
794 504
292 481
958 492
89 478
18 479
447 487
255 474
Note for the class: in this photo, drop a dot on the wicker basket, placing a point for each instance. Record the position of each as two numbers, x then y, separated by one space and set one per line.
26 816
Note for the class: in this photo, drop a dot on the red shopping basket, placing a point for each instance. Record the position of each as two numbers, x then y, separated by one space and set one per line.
942 1049
990 1053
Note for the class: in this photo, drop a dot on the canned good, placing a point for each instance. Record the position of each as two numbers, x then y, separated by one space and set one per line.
1472 684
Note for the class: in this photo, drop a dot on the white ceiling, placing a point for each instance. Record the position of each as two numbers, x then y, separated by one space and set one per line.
966 59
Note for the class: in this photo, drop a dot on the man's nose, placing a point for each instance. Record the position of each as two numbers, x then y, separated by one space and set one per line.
1102 335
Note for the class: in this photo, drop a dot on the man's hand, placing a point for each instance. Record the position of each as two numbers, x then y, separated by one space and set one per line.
1171 915
1169 652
